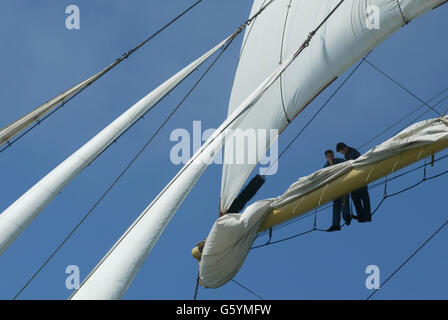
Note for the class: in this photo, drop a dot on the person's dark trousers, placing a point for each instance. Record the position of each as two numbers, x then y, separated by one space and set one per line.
361 200
339 205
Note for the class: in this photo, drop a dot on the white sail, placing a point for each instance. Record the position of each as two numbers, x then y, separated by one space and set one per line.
22 212
348 35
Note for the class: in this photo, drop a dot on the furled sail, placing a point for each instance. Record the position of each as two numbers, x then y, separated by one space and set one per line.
355 28
12 130
230 239
22 212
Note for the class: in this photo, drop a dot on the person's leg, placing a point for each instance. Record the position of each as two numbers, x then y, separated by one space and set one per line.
337 204
358 205
346 209
366 202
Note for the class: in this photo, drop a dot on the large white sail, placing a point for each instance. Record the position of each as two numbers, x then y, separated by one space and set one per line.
22 212
353 30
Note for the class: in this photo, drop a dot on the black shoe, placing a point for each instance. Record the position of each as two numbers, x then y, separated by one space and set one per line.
334 228
355 217
348 221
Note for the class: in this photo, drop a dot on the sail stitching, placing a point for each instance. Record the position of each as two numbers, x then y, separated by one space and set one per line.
281 61
401 12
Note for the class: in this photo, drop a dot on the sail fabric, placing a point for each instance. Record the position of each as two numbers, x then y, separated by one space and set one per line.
23 211
231 237
10 131
346 37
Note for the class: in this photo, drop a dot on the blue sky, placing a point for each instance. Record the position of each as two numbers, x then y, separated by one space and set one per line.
41 58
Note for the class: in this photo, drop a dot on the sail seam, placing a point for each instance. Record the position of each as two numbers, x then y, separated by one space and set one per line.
281 61
401 12
248 34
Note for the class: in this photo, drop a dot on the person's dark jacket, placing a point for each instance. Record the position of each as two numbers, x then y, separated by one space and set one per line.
336 161
352 154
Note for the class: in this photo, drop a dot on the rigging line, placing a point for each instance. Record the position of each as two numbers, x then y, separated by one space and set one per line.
114 64
401 86
124 171
247 289
317 113
195 297
406 116
409 258
238 31
423 114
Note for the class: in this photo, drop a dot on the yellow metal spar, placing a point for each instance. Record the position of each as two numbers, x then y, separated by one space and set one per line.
346 183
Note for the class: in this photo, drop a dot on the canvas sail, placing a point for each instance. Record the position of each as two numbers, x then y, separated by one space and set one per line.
12 130
346 37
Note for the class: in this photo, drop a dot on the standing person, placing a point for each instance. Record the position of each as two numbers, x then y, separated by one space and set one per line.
341 204
360 197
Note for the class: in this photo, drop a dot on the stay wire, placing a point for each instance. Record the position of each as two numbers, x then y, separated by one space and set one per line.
195 297
247 289
409 258
401 86
408 115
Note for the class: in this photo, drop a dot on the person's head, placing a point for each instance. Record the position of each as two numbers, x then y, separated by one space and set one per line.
329 154
341 147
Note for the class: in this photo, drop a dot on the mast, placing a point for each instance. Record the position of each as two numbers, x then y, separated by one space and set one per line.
23 211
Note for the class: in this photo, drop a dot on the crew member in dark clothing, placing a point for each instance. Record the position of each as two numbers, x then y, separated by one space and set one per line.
341 204
360 197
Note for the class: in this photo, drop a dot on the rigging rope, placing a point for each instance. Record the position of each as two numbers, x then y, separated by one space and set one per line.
114 64
409 258
407 115
195 297
401 86
247 289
